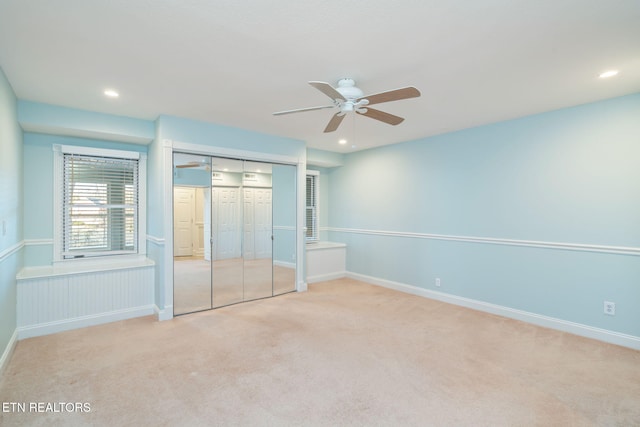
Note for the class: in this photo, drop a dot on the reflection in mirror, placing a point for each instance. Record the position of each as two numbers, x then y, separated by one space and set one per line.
191 269
226 247
284 228
257 230
226 232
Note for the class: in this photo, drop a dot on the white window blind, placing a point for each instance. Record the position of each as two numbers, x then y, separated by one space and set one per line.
312 208
100 206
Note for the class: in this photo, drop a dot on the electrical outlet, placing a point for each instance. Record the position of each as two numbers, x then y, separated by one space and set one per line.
610 308
437 281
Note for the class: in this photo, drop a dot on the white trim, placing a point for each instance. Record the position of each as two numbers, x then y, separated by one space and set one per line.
38 242
284 227
166 314
621 250
167 251
327 276
301 259
84 266
103 152
8 352
323 244
156 240
605 335
83 321
142 204
229 152
58 167
11 250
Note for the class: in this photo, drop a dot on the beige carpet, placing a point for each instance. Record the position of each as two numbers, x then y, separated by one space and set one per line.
344 353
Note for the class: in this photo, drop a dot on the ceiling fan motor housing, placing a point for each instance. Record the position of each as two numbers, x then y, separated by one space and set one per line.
348 89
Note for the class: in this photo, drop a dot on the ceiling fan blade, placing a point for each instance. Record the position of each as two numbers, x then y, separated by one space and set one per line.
392 95
328 90
334 122
299 110
188 165
382 116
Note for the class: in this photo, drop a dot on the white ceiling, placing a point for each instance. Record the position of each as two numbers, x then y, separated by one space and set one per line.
234 62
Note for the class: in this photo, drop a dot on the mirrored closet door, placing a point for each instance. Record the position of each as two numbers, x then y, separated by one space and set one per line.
234 231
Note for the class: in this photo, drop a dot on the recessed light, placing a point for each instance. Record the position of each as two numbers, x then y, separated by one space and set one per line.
111 93
342 141
609 73
225 170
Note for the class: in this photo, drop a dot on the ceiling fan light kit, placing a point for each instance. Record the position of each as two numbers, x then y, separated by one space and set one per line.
347 97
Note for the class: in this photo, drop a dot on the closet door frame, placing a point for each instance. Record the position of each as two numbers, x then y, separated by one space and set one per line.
168 148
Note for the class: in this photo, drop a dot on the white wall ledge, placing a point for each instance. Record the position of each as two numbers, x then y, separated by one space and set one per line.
83 266
314 246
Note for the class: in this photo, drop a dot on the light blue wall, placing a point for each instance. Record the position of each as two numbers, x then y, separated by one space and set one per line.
203 133
324 159
323 162
66 126
11 209
192 177
57 120
569 176
284 213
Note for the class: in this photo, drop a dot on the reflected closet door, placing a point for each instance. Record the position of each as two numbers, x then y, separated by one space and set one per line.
226 222
191 213
257 230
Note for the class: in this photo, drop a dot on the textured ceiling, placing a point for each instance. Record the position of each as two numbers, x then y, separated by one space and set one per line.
235 62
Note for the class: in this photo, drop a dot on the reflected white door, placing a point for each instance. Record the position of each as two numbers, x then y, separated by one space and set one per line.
257 223
183 199
262 221
226 220
248 247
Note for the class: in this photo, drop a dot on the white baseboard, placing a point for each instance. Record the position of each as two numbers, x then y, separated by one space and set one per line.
605 335
166 314
302 287
81 322
8 351
328 276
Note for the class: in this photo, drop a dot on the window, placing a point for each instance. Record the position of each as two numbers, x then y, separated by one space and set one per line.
312 206
98 201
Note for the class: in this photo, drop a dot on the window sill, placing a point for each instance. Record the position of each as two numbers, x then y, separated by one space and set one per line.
83 267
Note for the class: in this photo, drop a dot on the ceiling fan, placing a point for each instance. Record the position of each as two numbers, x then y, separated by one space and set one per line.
349 98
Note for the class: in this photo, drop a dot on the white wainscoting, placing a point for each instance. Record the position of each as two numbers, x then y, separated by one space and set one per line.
326 261
53 300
